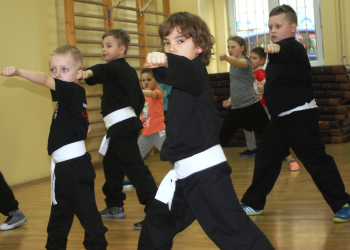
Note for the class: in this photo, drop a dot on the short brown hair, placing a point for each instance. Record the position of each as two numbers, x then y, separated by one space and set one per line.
240 41
122 37
147 70
193 26
73 51
289 11
259 51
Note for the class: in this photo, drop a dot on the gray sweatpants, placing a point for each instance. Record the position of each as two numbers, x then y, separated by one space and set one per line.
147 142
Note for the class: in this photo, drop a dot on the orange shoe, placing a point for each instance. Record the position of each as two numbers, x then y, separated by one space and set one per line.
294 166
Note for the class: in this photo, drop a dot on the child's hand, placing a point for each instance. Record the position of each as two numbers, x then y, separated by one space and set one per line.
226 104
86 74
10 71
155 60
272 48
261 86
222 56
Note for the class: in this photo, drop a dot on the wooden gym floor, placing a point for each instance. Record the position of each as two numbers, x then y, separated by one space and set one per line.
295 217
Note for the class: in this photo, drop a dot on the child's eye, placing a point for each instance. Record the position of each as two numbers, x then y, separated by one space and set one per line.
180 41
278 26
52 70
270 27
108 46
64 69
165 43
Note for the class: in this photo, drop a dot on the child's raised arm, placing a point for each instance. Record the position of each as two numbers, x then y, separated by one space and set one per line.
150 93
241 63
33 76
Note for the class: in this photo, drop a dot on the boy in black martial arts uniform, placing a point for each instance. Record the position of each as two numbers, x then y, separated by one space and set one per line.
294 120
72 178
122 103
200 186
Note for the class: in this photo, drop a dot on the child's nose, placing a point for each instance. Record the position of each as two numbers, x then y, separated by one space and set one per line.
172 49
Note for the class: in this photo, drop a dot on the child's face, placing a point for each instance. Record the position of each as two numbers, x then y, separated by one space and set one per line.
256 60
64 67
234 49
148 81
280 28
178 44
111 49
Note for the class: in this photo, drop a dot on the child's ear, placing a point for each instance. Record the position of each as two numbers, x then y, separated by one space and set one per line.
79 73
122 49
199 50
293 27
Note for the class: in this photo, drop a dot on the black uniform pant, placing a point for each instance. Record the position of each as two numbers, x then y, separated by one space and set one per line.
7 199
74 192
250 118
122 158
209 197
300 130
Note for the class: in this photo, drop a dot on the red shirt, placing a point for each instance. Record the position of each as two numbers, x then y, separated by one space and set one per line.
259 76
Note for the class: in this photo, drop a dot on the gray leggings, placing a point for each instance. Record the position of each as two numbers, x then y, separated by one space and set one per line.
147 142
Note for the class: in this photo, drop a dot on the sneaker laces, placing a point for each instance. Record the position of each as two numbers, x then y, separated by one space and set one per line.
9 219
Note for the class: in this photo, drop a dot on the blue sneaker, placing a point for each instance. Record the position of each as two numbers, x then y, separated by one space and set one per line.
343 214
247 153
251 211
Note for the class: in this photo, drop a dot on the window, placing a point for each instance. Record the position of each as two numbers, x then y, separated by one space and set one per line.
249 19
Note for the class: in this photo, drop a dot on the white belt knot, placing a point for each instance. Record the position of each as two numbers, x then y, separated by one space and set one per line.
65 153
187 167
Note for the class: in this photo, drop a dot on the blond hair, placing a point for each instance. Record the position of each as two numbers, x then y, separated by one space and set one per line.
73 51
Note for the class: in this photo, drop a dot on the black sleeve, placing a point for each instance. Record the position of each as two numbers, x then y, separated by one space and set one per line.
289 52
103 73
182 74
159 74
64 91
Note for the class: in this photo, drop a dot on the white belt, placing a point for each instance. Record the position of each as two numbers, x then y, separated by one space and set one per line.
187 167
309 105
113 118
65 153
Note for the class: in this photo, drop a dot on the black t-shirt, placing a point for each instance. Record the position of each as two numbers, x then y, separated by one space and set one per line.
193 123
121 88
288 79
70 121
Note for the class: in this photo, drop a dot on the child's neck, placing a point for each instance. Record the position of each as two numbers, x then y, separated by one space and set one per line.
123 56
257 68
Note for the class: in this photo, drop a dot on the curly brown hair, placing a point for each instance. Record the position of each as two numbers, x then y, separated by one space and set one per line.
193 26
